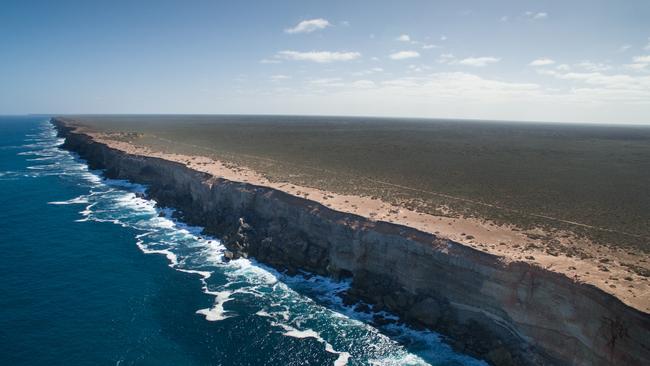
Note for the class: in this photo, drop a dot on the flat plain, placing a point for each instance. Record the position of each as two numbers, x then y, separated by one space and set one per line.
572 198
527 174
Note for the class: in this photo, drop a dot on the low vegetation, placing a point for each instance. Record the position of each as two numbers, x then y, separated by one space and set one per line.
591 180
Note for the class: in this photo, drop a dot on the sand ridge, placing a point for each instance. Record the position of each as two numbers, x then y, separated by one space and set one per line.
607 268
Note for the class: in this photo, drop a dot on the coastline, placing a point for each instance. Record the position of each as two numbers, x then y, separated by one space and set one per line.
514 323
619 274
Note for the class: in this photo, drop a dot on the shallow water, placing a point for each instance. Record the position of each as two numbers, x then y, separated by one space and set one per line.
93 273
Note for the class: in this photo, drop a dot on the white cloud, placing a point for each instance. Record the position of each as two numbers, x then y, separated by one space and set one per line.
563 67
327 82
408 39
403 55
444 84
586 97
443 38
446 58
638 66
279 77
368 71
639 63
450 59
318 56
536 15
339 83
647 46
607 81
363 84
642 59
404 82
404 38
598 91
418 68
542 62
479 61
593 66
308 26
459 85
504 18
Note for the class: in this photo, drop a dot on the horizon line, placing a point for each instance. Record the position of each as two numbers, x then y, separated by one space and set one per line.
53 115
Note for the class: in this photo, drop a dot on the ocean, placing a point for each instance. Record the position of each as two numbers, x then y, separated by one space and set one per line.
94 273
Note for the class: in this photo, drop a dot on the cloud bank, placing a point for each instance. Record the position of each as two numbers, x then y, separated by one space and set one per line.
308 26
318 56
403 55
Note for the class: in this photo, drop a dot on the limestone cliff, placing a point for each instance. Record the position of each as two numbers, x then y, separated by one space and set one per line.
506 313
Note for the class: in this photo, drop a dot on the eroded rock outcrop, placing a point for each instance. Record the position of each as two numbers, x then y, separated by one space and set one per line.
506 313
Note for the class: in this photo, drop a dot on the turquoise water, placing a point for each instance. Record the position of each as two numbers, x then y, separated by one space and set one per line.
92 273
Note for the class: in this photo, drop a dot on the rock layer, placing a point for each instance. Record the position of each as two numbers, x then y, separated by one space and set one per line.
508 313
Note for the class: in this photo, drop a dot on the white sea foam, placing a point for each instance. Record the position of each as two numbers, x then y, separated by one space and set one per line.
73 201
217 312
310 333
171 257
204 274
43 158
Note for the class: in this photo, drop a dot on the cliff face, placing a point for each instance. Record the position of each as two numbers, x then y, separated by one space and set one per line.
506 313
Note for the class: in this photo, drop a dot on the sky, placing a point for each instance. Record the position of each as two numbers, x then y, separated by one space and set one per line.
558 61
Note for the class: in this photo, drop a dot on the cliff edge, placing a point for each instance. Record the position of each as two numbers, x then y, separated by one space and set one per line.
508 313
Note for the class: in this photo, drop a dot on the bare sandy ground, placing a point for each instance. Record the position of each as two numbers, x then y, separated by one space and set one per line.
607 268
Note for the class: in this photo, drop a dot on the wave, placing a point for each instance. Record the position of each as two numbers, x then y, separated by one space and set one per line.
301 306
72 201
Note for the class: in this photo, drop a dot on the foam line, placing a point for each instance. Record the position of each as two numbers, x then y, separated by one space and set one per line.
73 201
217 312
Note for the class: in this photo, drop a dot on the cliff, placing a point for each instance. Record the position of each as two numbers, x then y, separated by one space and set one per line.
508 313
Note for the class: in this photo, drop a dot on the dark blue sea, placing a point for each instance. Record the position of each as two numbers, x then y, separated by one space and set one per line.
92 273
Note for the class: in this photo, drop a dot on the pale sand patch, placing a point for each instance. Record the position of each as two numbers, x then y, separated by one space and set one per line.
505 241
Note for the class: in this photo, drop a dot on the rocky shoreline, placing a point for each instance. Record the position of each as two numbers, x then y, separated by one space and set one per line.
508 313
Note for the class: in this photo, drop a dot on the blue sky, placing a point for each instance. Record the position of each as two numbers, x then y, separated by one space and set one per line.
575 61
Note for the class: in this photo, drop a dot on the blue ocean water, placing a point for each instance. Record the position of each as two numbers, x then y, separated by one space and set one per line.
92 273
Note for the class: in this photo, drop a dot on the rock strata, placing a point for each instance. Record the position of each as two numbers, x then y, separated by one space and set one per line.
507 313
